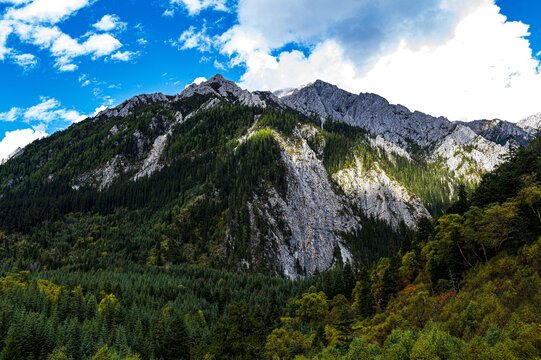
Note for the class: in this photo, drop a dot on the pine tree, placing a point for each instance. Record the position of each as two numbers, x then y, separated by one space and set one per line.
176 341
11 349
363 299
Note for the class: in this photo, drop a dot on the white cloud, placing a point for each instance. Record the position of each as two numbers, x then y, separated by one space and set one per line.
169 13
34 23
101 44
366 29
291 69
14 2
99 109
40 11
18 139
123 55
475 65
218 65
110 22
11 115
142 41
485 71
192 39
197 81
49 110
26 61
194 7
67 67
5 31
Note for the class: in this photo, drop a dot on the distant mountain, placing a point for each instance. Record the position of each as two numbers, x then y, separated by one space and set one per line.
286 183
499 131
531 124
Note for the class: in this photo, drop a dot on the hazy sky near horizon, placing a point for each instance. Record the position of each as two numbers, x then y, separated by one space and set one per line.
62 60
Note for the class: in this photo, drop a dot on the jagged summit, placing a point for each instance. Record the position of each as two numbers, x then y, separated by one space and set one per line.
128 106
531 124
227 89
395 123
499 131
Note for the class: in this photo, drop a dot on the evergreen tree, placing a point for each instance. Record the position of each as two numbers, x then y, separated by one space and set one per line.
11 349
363 299
176 341
389 281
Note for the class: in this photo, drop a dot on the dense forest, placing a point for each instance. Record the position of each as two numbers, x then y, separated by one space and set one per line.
464 286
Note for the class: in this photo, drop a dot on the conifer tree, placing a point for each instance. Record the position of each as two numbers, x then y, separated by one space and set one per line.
11 349
176 341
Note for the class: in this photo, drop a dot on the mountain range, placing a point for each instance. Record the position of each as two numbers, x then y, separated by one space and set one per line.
287 183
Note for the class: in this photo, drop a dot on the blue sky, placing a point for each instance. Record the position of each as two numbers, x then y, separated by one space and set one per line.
60 60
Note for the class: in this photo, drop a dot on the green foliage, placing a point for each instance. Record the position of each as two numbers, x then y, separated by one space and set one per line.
11 349
235 336
176 342
312 307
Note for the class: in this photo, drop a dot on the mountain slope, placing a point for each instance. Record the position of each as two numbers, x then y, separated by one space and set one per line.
223 177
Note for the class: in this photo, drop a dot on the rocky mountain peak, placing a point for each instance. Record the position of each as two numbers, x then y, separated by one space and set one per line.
499 131
219 86
395 123
216 85
129 106
531 124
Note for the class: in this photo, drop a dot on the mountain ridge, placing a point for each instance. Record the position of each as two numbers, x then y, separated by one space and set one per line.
338 166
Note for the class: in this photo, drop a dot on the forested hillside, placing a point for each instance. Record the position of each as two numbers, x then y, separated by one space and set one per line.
224 224
207 180
466 286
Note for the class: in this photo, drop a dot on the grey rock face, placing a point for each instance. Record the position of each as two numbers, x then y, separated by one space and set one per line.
313 212
380 196
410 131
499 131
13 155
395 123
220 87
531 124
129 106
103 176
468 154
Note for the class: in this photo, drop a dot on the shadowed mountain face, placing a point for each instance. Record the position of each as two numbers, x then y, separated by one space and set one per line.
499 132
286 183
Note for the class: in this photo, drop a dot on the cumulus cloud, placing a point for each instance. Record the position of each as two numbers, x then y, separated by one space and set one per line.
197 81
101 44
18 139
39 11
192 39
123 55
485 71
364 28
27 61
194 7
35 23
48 111
460 59
109 23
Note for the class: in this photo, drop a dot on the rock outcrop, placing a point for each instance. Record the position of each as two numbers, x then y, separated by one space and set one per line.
395 123
499 132
312 211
